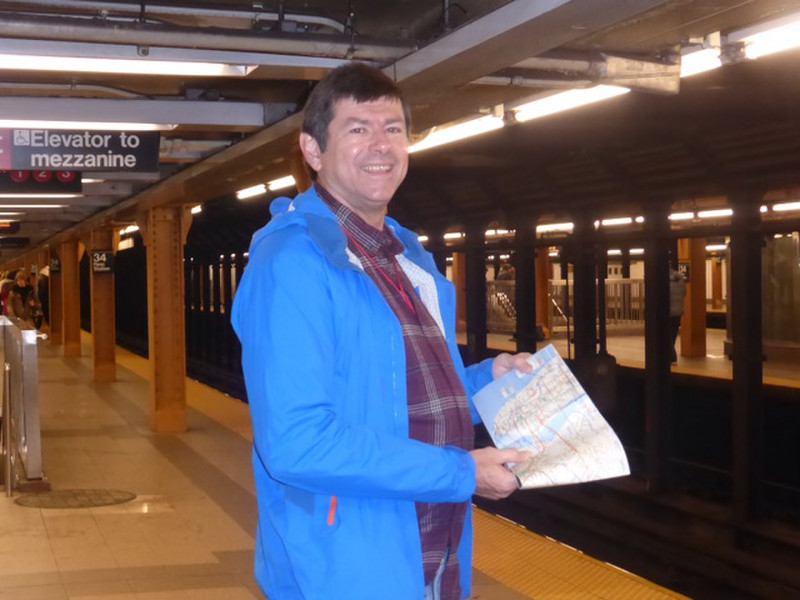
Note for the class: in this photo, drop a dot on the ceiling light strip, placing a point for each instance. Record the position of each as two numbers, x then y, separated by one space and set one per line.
459 131
563 101
83 125
124 66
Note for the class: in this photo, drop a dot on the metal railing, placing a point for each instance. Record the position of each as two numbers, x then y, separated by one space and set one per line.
501 312
21 434
624 305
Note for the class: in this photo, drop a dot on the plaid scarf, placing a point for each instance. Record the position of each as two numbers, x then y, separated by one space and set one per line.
438 412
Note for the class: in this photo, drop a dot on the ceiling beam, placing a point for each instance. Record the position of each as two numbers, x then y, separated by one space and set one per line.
233 115
512 33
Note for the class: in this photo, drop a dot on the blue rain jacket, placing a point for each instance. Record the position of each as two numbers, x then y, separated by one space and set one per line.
324 364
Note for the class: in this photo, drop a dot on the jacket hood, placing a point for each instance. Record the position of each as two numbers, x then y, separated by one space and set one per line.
308 210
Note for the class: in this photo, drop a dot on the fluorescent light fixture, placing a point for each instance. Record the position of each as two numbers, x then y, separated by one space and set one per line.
700 61
505 256
566 101
197 209
781 35
763 209
128 66
784 206
81 125
499 232
36 196
555 227
129 229
553 253
681 216
11 214
280 183
454 235
252 191
636 251
27 206
422 238
459 131
616 221
614 252
715 214
716 247
639 219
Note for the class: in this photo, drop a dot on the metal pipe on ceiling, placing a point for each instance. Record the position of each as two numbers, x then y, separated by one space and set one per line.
50 89
161 11
182 37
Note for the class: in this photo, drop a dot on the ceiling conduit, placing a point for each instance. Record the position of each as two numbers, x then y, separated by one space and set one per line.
158 11
138 34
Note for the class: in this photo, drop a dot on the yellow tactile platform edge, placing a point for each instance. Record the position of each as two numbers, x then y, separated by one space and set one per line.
544 569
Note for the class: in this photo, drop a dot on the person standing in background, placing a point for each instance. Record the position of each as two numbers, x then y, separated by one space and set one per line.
22 303
677 294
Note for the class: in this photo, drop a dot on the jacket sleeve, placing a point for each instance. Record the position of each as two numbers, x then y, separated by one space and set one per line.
283 314
14 306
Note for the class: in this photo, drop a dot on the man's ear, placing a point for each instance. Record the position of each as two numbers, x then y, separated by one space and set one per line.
311 152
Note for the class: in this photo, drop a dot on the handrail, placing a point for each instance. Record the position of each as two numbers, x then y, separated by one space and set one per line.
6 445
21 418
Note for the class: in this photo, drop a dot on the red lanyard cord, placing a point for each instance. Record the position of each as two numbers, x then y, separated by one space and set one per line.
396 285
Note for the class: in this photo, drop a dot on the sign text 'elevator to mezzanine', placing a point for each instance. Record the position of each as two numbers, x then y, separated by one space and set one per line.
59 150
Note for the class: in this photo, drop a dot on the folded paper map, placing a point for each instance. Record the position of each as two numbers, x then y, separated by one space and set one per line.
547 413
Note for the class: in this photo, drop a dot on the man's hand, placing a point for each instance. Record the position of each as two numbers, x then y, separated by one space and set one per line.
505 362
492 479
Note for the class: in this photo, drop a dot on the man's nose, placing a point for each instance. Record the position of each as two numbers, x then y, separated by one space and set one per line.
380 141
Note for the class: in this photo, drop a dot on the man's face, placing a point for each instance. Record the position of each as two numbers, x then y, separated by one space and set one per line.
366 158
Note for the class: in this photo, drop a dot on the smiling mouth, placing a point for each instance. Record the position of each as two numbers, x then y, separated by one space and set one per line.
377 168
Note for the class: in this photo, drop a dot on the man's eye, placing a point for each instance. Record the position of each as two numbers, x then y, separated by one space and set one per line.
394 129
357 130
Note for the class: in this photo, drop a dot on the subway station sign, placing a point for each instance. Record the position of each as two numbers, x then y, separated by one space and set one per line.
40 182
62 150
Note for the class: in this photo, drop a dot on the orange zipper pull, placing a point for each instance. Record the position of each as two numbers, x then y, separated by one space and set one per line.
332 510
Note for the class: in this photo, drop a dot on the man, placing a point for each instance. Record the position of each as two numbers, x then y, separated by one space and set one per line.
677 295
363 432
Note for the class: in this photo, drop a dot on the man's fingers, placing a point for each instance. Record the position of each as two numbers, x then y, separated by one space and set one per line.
513 455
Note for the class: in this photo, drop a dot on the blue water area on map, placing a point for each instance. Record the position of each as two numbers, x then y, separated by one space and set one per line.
491 398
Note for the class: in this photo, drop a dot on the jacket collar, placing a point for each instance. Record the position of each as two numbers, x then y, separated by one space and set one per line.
324 229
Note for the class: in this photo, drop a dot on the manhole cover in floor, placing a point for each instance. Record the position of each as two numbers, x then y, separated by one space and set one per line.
74 498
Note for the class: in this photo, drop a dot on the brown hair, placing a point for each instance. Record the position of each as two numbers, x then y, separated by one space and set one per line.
355 80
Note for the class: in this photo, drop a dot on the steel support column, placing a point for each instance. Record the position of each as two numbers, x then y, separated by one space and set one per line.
658 422
103 310
164 235
71 297
544 269
525 289
476 291
692 252
748 352
56 316
584 292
